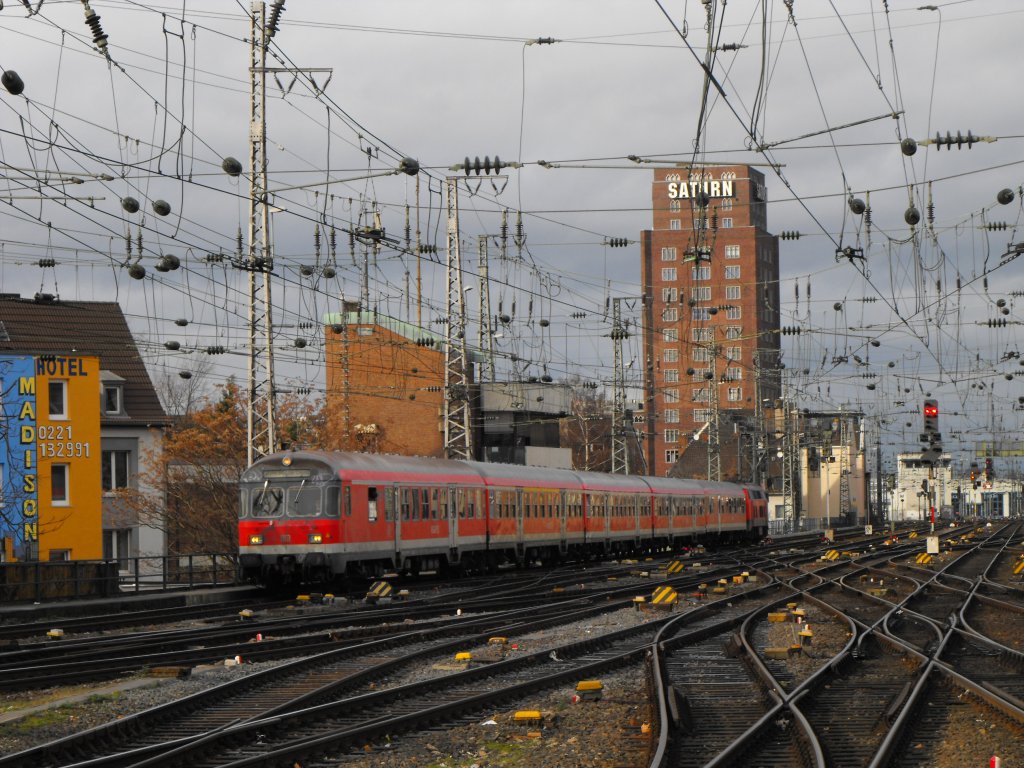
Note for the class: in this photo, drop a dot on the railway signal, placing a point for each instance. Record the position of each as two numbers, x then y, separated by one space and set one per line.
931 436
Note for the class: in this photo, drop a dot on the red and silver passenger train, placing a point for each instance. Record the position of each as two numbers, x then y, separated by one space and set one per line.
320 515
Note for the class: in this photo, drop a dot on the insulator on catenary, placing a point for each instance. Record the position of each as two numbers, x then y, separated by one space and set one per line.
47 262
617 242
98 36
476 166
216 350
275 17
789 234
995 226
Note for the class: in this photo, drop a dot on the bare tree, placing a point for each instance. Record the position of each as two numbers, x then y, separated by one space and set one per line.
587 429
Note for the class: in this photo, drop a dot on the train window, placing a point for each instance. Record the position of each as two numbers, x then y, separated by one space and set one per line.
404 503
304 500
347 501
243 510
371 504
267 502
331 504
424 504
433 505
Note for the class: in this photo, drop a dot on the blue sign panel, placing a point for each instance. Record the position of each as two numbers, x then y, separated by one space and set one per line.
19 501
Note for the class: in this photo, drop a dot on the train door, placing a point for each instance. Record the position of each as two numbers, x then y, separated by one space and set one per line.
634 505
400 502
563 514
519 512
456 503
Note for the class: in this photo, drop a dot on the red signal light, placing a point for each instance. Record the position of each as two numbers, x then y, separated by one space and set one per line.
931 410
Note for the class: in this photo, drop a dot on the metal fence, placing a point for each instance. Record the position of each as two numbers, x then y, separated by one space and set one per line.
38 580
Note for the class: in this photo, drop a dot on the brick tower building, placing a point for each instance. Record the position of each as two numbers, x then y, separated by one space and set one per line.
710 273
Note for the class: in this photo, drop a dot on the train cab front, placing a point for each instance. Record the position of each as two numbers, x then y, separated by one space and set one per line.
289 526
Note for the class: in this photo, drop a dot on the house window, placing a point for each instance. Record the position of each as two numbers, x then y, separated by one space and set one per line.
675 205
671 375
114 470
60 555
112 398
734 353
732 292
670 314
701 354
675 224
669 295
726 223
59 484
700 313
670 355
671 416
699 373
671 334
701 395
703 334
726 203
671 395
672 455
671 435
733 331
58 392
668 254
733 313
732 272
668 274
701 415
734 373
701 293
700 273
732 251
735 394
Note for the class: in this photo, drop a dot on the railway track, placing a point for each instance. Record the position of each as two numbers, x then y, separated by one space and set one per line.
896 695
898 635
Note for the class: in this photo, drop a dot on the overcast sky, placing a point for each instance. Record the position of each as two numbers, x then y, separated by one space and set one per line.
443 80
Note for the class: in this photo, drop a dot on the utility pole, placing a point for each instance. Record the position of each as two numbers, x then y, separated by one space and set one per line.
714 447
845 459
758 437
620 455
457 434
484 335
260 421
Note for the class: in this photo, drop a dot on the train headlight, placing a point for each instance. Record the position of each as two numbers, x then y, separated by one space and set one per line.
316 538
255 539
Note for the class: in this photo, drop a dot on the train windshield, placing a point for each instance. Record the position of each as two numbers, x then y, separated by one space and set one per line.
267 501
303 498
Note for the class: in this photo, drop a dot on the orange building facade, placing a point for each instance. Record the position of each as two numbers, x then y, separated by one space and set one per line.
710 274
51 473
